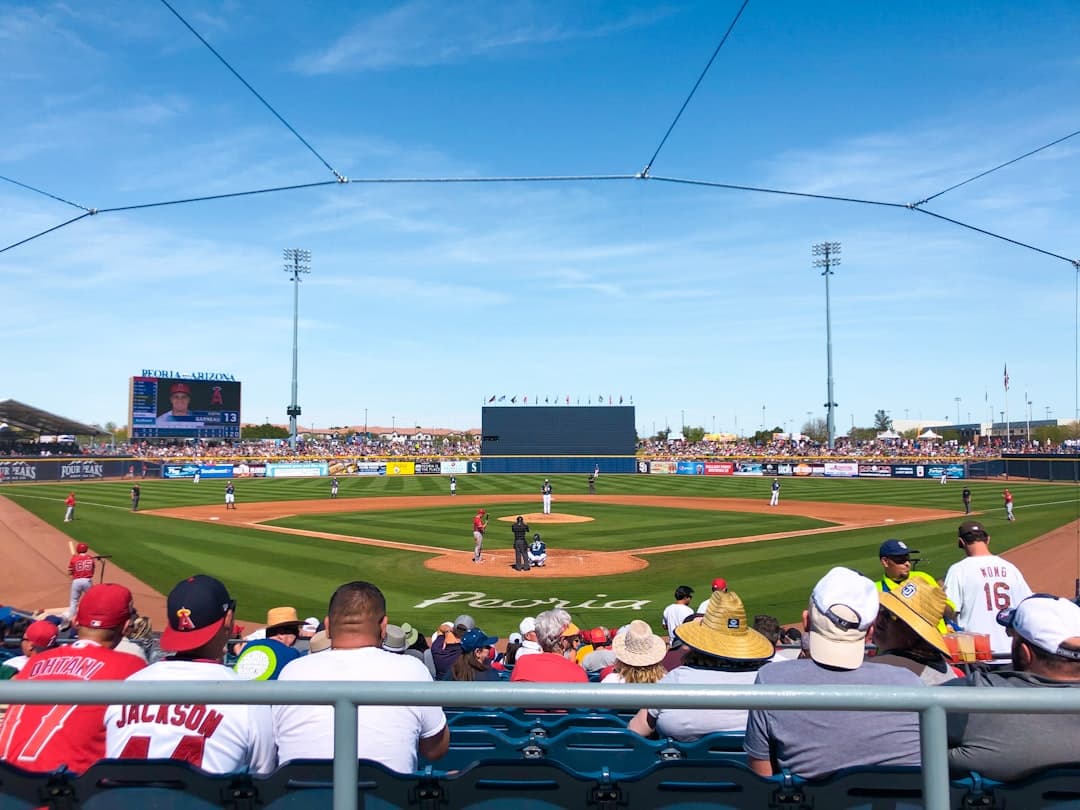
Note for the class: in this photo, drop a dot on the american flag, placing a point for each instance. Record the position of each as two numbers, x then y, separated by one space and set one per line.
1006 376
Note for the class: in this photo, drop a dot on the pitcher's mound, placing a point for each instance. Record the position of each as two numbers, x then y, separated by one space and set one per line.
554 517
560 563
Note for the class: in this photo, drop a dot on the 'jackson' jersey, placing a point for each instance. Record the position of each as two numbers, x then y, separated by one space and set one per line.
215 737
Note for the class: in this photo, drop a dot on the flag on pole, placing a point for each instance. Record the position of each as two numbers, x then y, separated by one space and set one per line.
609 399
1006 376
567 399
526 399
513 399
620 399
492 398
502 398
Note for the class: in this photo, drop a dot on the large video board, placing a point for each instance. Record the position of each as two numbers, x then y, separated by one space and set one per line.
558 431
179 407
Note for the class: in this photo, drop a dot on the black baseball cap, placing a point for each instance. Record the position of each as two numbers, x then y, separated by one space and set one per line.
971 528
196 610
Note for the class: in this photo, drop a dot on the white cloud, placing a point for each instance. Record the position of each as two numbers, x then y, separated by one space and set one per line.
430 32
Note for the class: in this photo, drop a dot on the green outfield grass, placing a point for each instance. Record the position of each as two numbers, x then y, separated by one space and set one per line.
264 569
613 528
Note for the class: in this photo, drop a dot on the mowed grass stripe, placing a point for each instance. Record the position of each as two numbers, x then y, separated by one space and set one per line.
613 528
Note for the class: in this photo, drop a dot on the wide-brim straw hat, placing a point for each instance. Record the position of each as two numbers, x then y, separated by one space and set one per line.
637 646
282 617
920 606
723 632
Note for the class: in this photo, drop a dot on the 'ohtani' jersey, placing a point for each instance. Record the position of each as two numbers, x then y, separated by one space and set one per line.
42 738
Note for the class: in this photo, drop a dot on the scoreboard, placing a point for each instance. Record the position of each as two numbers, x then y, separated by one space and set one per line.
559 431
181 407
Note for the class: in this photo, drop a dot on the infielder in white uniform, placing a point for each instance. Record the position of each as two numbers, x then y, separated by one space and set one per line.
545 490
774 499
215 737
983 584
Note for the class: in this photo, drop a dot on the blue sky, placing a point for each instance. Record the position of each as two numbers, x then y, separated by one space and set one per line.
425 299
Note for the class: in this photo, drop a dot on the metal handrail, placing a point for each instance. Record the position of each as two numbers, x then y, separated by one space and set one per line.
932 704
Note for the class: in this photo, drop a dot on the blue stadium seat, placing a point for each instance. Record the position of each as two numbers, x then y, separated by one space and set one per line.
1057 787
494 719
471 745
591 752
720 745
308 785
715 786
162 784
522 785
874 788
20 790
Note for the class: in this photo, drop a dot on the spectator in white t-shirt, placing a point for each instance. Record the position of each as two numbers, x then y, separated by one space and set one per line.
676 613
392 735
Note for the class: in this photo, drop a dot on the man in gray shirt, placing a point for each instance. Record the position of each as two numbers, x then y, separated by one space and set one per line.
1045 633
814 744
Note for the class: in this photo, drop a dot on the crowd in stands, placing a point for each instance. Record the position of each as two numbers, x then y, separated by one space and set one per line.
854 631
785 448
311 445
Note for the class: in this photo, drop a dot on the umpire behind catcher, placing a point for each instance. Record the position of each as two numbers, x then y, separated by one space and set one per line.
521 545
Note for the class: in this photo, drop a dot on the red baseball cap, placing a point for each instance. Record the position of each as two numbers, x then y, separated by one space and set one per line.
180 388
105 606
719 584
41 633
82 548
196 609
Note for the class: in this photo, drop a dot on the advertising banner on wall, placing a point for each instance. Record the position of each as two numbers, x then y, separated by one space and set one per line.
642 467
81 470
663 467
719 468
453 467
841 469
428 468
18 471
366 468
245 470
690 468
950 470
907 471
205 470
802 469
748 468
298 469
401 468
875 470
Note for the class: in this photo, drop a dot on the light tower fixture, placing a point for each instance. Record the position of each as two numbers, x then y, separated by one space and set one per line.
297 262
828 257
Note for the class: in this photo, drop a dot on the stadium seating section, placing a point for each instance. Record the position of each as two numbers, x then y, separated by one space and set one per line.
527 760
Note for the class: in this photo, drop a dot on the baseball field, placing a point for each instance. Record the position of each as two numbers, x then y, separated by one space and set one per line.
614 556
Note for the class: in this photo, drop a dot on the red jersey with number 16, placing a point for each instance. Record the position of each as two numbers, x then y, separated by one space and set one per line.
42 738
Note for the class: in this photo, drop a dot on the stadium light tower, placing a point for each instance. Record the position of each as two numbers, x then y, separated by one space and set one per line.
829 253
297 262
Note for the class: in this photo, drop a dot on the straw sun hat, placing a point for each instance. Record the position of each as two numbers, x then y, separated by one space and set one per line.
920 606
638 647
723 633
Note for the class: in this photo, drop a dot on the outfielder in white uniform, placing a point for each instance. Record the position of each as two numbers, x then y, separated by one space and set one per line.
215 737
198 474
545 490
983 584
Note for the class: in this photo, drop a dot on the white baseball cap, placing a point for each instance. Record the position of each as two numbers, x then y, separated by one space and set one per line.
528 625
843 605
1047 622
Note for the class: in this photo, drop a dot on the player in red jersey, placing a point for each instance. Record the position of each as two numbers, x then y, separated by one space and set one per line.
42 738
479 526
81 568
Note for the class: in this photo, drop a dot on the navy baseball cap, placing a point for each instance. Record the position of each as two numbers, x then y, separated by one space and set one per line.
477 638
196 609
896 548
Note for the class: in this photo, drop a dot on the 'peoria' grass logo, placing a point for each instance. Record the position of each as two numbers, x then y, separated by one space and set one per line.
478 599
